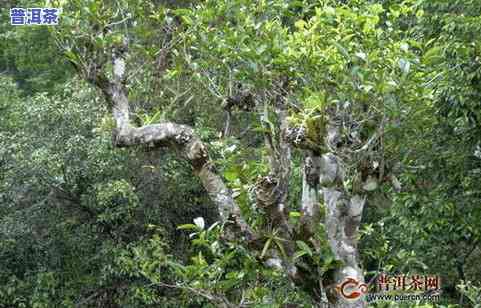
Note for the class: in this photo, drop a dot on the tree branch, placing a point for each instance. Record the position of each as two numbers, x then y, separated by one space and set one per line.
171 135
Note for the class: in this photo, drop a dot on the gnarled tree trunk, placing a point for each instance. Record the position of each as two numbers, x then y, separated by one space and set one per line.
343 217
322 175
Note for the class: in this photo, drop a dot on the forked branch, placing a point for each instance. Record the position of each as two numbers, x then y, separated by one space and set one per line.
176 136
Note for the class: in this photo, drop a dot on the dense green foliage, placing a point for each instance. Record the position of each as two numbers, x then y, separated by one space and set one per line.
85 224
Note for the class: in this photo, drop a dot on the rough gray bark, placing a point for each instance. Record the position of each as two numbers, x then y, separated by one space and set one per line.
343 217
272 190
310 211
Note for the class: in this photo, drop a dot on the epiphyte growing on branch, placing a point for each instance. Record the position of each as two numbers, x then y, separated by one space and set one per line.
307 131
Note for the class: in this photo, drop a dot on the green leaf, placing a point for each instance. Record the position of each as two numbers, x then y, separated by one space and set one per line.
187 227
181 12
294 214
153 119
342 50
300 24
72 56
231 175
299 254
304 247
281 248
266 247
433 55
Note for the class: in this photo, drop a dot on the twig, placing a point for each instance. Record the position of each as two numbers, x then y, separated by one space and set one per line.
117 22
